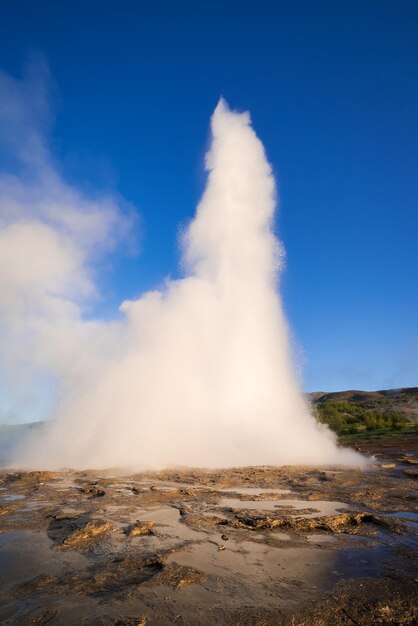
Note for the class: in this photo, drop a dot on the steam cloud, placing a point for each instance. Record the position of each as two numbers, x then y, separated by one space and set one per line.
198 374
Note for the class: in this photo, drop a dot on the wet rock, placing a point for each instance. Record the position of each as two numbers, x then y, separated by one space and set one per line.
411 473
84 535
76 531
184 510
138 529
9 479
343 523
29 478
362 603
6 509
130 621
93 492
178 576
37 619
202 521
119 576
87 532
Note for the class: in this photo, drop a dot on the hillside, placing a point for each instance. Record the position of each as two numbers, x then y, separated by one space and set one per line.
354 412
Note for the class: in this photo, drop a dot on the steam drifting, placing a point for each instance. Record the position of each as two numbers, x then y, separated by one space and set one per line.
198 374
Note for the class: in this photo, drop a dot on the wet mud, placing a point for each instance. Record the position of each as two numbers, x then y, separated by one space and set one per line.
289 546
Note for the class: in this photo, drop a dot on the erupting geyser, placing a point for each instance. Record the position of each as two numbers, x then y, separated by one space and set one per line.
198 374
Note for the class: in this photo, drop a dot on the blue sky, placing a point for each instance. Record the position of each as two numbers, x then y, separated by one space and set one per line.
332 88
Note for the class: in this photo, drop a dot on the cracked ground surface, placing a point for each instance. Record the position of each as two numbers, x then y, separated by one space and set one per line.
244 546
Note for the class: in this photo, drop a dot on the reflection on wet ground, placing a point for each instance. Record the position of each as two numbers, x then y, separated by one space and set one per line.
241 546
320 538
11 497
403 514
254 491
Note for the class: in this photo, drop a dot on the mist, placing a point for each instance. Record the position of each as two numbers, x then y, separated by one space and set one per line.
196 374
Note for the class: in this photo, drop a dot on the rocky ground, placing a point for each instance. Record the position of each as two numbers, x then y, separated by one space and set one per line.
248 546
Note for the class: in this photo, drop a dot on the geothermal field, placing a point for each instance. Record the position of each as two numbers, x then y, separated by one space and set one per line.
245 546
182 477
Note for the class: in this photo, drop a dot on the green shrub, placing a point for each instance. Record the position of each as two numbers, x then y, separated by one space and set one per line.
350 418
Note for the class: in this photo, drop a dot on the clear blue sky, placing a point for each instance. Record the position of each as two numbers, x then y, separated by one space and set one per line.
333 92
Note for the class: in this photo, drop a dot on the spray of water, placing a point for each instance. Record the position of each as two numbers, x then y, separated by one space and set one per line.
198 374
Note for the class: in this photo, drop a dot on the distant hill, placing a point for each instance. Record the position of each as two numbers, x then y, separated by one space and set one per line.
404 400
354 412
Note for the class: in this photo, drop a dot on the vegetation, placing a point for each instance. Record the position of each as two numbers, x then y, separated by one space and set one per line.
345 418
351 421
354 414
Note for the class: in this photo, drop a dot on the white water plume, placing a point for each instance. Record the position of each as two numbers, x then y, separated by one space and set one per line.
198 374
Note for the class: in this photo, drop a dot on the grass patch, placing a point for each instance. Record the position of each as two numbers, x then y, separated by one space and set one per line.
375 435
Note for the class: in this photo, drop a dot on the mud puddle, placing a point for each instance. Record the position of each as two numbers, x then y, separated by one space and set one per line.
168 522
26 554
254 491
409 515
12 497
